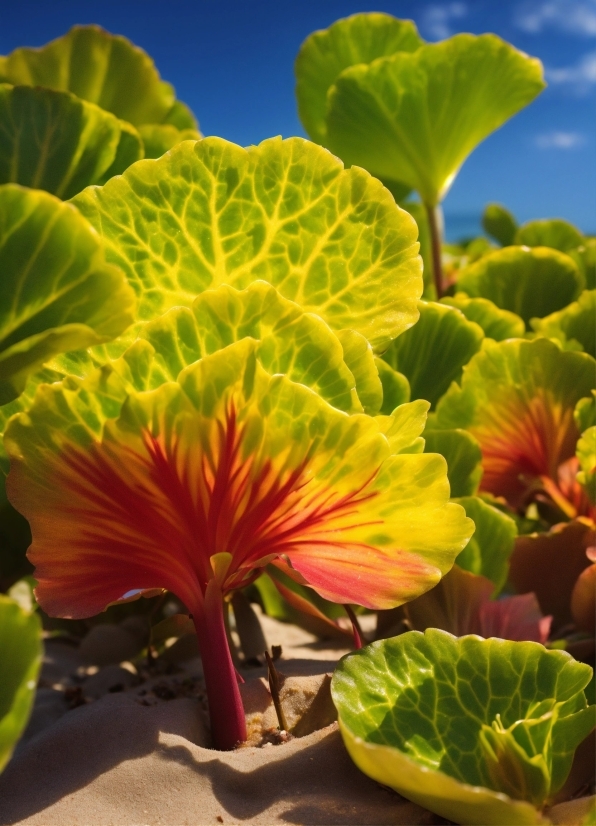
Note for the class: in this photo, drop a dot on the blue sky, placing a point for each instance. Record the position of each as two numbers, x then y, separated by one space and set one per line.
232 62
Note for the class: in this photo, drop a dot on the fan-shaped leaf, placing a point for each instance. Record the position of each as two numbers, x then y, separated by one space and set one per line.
416 117
463 456
285 212
158 138
529 282
360 38
517 399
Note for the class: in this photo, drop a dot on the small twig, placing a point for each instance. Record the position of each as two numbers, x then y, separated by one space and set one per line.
274 689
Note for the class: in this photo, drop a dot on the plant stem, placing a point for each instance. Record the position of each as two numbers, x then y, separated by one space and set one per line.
434 225
228 724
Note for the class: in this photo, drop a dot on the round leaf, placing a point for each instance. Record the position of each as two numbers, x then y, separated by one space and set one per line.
415 712
285 212
57 292
416 117
158 138
551 232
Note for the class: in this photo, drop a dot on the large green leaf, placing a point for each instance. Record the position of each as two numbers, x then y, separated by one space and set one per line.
463 456
496 323
478 731
517 399
360 38
285 212
396 387
550 232
415 117
498 222
488 551
58 142
57 291
359 357
575 324
102 68
529 282
20 644
290 481
432 353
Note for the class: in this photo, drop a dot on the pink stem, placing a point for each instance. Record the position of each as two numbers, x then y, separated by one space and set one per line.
228 724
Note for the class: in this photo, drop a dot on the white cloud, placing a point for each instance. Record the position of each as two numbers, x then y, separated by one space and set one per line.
579 78
560 140
436 19
572 16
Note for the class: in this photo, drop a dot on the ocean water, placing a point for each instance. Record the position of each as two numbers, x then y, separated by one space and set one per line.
462 225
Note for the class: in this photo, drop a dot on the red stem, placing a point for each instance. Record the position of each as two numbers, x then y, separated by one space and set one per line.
432 213
228 724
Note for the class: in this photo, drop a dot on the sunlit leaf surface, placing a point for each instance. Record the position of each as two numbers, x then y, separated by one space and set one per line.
497 323
415 117
285 212
574 324
479 731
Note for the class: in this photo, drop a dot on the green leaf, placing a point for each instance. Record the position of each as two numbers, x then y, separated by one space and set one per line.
57 142
529 282
573 325
20 643
497 324
499 223
285 212
517 399
416 117
586 453
102 68
297 344
359 357
550 232
463 456
585 258
360 38
415 710
396 387
181 116
129 149
158 138
57 291
488 551
585 412
432 353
